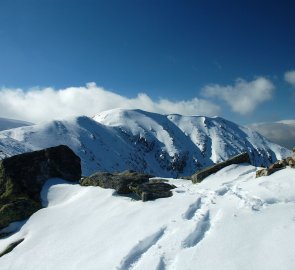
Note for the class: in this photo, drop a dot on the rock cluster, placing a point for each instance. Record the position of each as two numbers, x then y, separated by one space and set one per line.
22 177
278 165
151 191
118 181
130 182
201 175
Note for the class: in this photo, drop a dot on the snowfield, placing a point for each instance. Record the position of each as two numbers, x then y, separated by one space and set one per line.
229 221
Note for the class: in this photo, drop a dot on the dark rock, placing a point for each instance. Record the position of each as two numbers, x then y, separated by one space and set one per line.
280 164
186 177
118 181
158 180
152 191
17 209
293 153
241 158
131 182
261 172
267 172
273 170
290 161
22 177
11 247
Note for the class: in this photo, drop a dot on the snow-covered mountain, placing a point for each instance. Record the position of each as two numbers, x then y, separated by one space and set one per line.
163 145
229 221
280 132
6 123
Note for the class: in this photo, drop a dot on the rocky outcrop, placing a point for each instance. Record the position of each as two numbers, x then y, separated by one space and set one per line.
117 181
130 182
278 165
153 190
201 175
22 177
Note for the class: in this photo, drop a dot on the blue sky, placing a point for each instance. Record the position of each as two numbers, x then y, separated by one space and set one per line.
169 50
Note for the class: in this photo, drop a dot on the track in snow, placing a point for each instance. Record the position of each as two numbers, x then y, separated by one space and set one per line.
162 264
192 209
138 250
199 232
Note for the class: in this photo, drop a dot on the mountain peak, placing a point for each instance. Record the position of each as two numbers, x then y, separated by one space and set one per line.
163 145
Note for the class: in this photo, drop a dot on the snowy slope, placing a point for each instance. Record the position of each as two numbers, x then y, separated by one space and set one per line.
191 142
230 221
281 132
6 123
163 145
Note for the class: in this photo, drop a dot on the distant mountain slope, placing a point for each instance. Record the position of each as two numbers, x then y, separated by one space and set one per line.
6 123
281 132
164 145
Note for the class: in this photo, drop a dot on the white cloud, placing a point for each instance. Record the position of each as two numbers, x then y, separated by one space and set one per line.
44 104
243 97
290 77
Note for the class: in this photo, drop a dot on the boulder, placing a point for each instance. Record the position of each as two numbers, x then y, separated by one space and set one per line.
22 177
293 153
261 172
15 209
153 190
291 162
268 171
278 165
118 181
201 175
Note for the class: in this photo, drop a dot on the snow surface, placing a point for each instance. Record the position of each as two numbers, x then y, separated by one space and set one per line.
162 145
229 221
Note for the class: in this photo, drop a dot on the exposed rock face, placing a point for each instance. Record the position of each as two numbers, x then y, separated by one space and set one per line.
118 181
22 177
201 175
152 191
130 182
278 165
269 171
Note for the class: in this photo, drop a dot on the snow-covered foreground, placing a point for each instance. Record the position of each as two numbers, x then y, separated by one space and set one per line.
229 221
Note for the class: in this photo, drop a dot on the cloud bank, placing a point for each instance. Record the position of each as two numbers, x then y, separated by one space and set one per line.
37 105
243 97
282 132
290 77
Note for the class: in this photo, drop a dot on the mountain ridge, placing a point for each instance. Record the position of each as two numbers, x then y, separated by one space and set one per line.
7 123
164 145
